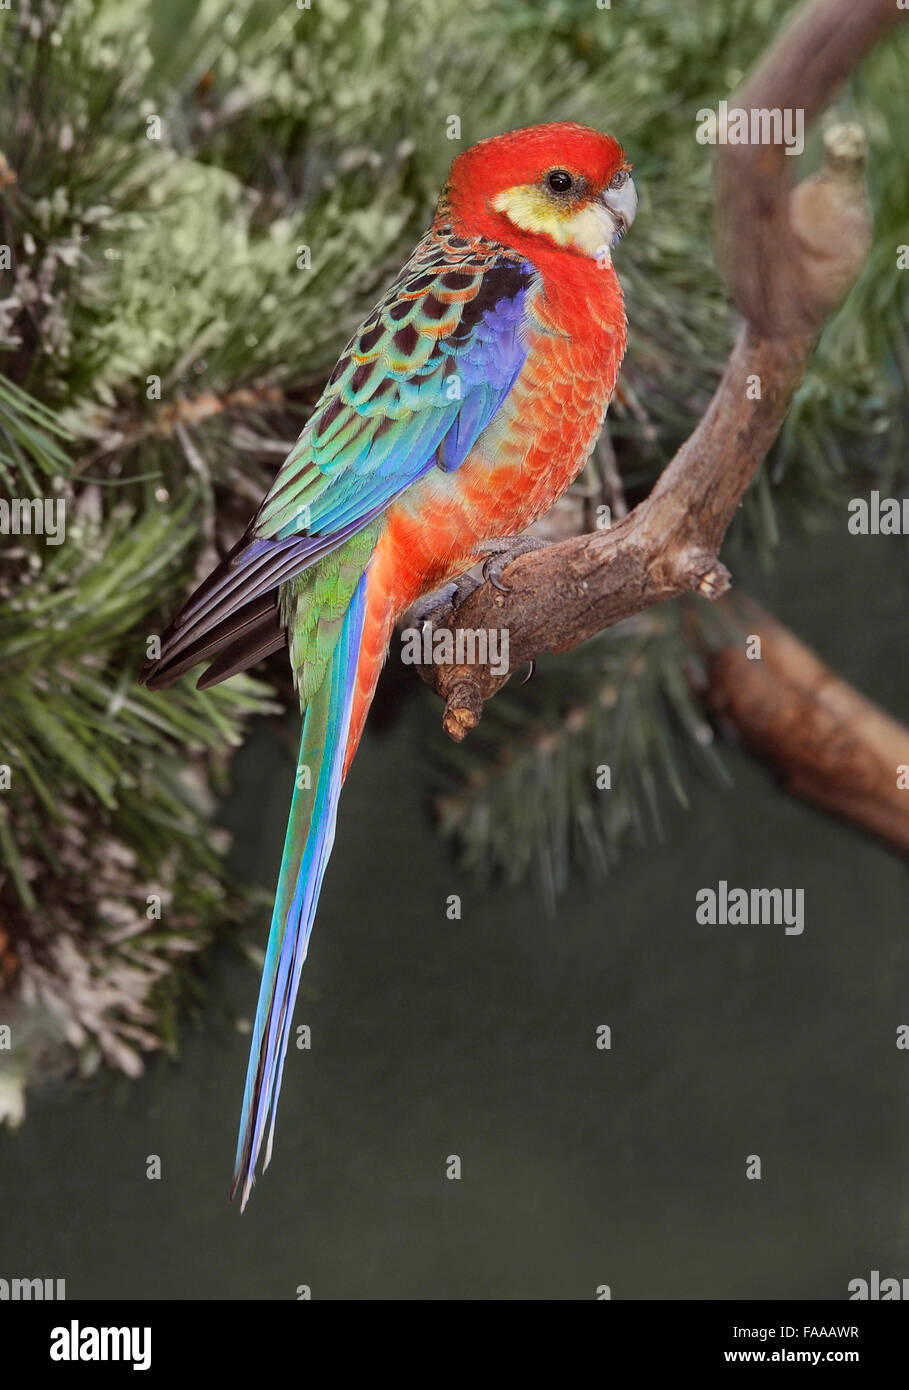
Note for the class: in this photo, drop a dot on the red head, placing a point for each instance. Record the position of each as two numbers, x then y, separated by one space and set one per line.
560 187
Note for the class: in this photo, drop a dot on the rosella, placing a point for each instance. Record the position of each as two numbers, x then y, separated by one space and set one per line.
458 413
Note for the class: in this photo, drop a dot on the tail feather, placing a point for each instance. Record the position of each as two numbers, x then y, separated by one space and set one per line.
307 846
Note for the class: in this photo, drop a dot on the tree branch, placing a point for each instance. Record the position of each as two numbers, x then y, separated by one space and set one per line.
830 744
778 264
790 255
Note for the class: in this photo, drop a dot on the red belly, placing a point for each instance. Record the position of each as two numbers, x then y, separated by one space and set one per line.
519 467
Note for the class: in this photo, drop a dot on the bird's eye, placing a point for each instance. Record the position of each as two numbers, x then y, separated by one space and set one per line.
560 181
619 179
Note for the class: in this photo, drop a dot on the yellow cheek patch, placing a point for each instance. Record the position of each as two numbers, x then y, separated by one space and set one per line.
588 229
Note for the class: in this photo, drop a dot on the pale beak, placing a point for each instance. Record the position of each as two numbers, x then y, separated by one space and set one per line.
621 204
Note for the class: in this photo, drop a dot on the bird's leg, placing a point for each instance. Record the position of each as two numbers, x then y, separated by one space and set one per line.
464 586
500 553
425 608
497 555
451 595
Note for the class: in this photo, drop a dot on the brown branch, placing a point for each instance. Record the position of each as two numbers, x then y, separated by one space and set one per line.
831 745
791 254
779 266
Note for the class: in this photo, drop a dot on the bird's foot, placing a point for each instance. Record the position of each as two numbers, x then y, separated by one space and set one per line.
425 608
449 596
464 586
500 553
497 554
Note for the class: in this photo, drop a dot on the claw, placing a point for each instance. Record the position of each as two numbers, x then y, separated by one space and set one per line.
499 555
492 569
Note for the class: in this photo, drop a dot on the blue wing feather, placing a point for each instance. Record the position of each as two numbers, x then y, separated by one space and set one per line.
416 386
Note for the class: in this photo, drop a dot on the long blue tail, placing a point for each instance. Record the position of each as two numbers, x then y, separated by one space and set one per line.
310 835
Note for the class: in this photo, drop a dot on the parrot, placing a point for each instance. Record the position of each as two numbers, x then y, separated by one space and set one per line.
458 413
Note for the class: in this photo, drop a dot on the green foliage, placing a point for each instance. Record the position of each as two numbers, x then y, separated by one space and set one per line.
28 440
109 875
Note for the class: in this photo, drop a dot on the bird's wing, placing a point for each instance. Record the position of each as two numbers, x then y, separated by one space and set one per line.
415 387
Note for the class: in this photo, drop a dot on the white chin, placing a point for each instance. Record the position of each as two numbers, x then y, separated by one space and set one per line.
594 232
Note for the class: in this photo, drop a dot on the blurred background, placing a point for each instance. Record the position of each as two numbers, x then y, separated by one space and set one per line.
162 168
